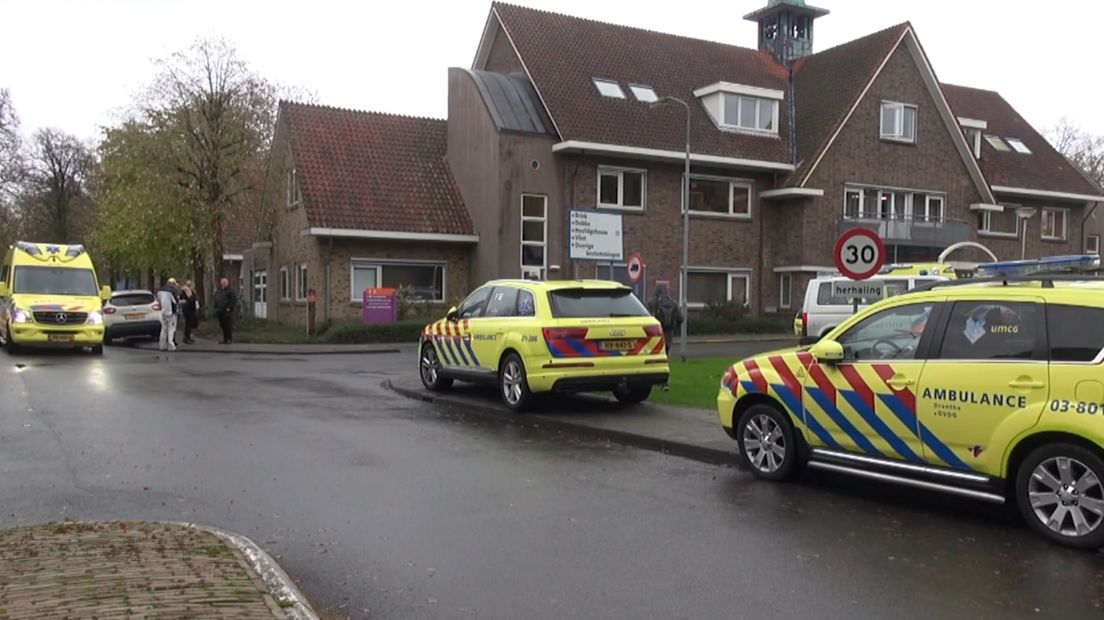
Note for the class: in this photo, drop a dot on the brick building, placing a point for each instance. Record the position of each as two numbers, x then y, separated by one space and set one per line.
789 148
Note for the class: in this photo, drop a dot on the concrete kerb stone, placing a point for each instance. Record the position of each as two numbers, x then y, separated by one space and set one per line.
290 350
690 451
279 584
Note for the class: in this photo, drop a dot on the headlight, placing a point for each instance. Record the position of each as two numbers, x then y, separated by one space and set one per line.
95 318
20 316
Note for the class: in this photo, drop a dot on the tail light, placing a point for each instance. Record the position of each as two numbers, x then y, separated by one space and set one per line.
108 310
156 307
653 331
564 333
804 323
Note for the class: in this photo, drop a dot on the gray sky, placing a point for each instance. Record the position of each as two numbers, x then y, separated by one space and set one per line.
76 64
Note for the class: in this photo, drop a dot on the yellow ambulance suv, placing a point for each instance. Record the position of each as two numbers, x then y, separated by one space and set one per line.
49 297
990 388
529 337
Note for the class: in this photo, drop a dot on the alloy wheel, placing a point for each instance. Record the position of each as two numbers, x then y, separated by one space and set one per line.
511 382
429 365
764 443
1067 496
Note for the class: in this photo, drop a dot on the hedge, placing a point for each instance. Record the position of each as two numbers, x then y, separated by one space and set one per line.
712 326
355 333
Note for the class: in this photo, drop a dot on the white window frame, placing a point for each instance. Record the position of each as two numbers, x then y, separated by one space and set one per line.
1065 223
1018 146
928 199
986 216
745 274
285 284
975 144
599 83
294 191
1092 244
643 93
898 134
737 123
543 243
620 174
381 264
997 143
260 286
733 183
785 290
301 282
909 211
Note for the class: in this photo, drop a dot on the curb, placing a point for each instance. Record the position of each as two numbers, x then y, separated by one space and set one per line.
279 583
281 352
690 451
741 339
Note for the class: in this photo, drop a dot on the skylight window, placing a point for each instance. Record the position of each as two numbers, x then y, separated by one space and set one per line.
609 88
644 94
1018 145
997 143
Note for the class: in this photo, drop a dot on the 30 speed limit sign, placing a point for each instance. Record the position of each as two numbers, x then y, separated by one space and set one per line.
859 253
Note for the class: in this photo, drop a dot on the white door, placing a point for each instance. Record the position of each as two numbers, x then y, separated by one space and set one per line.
260 294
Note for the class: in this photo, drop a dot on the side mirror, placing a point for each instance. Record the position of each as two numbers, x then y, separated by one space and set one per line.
105 293
4 292
451 314
827 351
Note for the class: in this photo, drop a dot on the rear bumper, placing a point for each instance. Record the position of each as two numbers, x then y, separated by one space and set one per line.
35 335
608 382
133 328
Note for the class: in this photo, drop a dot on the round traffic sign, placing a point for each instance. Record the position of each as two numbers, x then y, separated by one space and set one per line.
635 267
859 253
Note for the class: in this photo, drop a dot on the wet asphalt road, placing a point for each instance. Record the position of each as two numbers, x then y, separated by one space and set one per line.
389 508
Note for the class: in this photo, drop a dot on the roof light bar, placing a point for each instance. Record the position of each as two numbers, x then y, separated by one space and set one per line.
1048 265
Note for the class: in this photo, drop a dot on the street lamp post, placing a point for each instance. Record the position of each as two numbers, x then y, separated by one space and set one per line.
684 276
1024 215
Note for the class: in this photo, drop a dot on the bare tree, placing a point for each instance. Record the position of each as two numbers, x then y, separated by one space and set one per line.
11 167
54 203
1082 148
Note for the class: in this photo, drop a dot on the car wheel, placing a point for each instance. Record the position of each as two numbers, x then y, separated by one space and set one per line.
97 350
9 344
632 396
768 445
1060 492
512 384
429 368
108 341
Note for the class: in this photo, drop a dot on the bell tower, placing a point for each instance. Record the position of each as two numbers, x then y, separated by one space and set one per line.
786 28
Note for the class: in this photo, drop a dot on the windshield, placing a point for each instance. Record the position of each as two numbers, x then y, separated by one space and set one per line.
54 281
581 303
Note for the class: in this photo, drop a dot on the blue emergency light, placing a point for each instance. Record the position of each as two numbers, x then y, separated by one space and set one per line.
1048 265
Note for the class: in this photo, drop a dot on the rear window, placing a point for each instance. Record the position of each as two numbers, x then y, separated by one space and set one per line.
578 303
826 298
132 299
1074 333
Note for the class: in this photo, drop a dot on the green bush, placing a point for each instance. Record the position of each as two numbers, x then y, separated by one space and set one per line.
703 325
357 333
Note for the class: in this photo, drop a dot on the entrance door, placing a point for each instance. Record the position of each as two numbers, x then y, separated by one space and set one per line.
987 382
260 294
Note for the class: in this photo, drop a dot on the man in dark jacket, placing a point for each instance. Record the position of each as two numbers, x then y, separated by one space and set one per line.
225 301
666 310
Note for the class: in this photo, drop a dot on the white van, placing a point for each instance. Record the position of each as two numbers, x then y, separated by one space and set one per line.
822 311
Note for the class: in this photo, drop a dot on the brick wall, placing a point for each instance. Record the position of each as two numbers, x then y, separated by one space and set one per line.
289 247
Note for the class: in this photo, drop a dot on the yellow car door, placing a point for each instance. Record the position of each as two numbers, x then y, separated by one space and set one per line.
987 382
457 346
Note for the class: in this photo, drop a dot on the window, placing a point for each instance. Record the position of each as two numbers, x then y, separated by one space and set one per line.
892 334
260 286
893 204
984 330
785 284
932 208
473 306
716 287
644 94
1074 333
751 113
426 281
973 138
997 143
826 298
621 188
898 121
620 274
285 284
502 303
1092 244
132 299
582 303
294 193
999 223
526 305
54 281
301 282
1018 146
609 88
534 235
1055 224
720 197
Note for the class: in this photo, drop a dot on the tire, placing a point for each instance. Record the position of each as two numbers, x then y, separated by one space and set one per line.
632 396
513 386
429 369
98 349
9 344
1067 481
781 458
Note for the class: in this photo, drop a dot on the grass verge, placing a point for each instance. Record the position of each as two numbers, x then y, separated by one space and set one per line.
694 383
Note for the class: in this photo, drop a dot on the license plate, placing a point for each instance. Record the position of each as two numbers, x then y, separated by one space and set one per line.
134 317
61 338
617 345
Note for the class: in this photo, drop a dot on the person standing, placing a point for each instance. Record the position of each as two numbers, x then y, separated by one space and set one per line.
666 310
167 297
225 301
189 306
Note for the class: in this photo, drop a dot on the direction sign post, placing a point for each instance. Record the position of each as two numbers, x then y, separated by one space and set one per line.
859 254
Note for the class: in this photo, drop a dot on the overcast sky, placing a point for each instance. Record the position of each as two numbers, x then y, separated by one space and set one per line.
76 64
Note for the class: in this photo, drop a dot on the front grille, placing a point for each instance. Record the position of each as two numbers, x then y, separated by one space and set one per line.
60 318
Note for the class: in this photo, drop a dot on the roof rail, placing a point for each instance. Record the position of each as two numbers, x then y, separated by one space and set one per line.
1046 280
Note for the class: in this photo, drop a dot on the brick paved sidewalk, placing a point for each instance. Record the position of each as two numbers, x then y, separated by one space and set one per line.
127 570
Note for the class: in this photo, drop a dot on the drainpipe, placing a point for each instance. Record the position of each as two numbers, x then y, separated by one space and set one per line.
329 260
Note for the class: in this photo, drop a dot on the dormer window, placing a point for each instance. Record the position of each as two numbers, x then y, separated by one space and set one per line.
898 122
972 130
609 88
1018 146
741 107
